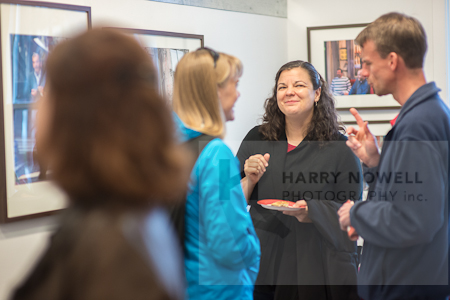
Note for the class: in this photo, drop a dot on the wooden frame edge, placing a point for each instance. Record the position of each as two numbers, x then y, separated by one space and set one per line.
161 33
309 29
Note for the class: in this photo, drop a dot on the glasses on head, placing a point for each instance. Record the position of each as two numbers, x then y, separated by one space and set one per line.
215 55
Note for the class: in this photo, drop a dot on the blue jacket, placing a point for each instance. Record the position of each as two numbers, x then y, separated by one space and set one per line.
404 223
222 250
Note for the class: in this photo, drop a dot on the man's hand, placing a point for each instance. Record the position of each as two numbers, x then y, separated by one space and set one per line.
362 142
344 215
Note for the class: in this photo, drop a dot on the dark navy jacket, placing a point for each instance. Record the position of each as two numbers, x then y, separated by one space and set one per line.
404 223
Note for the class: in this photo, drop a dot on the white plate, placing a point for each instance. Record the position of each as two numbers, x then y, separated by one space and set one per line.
282 208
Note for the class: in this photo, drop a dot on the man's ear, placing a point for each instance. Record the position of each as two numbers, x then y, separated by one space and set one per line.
393 60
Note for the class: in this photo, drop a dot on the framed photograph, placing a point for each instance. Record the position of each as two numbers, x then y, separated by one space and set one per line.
166 50
29 31
334 54
332 51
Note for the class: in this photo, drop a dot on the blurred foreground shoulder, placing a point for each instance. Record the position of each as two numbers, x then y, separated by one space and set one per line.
89 258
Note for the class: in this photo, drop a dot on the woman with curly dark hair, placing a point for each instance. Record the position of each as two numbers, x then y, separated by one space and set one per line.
299 154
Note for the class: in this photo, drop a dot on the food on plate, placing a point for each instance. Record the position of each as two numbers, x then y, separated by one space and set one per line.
280 204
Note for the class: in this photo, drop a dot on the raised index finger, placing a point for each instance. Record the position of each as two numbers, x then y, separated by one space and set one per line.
358 118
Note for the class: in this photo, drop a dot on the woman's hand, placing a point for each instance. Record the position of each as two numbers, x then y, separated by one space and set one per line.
255 167
302 214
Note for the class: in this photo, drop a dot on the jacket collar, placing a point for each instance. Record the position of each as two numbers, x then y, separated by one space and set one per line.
422 94
183 133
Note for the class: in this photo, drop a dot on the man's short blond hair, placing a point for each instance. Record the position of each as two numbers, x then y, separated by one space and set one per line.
399 33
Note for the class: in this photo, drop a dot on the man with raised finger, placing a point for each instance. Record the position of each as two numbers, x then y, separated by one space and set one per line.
404 221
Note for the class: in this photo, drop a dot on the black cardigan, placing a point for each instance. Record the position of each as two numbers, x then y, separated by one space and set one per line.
325 175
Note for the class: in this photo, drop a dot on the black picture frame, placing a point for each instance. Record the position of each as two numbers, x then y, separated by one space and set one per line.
21 23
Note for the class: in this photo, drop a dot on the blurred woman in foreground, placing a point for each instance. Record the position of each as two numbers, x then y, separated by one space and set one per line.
221 246
107 137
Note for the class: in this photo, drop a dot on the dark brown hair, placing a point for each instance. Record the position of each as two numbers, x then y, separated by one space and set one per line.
110 134
324 125
399 33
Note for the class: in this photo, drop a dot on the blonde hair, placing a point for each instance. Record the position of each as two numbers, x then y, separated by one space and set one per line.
195 95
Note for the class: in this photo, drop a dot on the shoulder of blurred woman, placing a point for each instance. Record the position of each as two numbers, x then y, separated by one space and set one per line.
159 237
86 234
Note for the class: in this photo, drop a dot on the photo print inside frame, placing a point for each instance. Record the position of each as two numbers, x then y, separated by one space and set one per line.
28 56
166 60
343 66
166 49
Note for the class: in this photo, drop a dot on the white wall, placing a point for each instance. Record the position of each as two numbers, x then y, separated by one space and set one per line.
262 43
432 14
259 41
21 243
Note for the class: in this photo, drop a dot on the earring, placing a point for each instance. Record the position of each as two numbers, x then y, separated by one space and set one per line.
316 103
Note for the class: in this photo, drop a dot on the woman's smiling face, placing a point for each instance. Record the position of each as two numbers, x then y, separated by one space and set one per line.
295 93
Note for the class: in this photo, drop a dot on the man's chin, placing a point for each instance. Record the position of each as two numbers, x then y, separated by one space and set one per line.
381 93
378 92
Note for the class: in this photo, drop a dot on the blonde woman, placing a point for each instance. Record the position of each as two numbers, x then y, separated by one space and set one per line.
221 247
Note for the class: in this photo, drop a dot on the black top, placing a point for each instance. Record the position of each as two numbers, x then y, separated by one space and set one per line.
96 253
325 175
